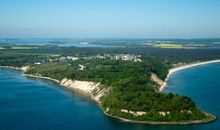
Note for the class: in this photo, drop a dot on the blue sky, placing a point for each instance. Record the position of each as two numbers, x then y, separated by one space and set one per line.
110 18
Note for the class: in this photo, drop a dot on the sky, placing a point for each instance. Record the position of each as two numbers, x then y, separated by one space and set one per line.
109 18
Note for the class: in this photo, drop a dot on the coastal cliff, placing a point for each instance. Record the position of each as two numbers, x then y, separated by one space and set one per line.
94 90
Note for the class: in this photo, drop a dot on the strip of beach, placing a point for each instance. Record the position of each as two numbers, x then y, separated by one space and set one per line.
175 69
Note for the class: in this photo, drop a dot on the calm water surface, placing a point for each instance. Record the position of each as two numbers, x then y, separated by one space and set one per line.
27 104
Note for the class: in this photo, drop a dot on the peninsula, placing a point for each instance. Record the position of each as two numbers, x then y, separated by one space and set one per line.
127 86
125 99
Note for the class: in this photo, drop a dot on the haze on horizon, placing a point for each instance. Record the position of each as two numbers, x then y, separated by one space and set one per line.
110 18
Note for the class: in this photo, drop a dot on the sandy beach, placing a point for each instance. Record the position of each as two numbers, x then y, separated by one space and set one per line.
175 69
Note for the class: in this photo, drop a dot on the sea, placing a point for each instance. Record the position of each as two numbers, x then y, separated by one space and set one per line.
36 104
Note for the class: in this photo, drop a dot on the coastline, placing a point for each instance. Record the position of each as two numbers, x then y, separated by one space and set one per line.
41 77
211 117
25 68
182 67
48 78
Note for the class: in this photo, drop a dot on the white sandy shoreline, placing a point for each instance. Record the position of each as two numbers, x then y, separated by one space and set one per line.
175 69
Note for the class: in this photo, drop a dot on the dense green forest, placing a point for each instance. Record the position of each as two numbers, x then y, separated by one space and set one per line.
172 55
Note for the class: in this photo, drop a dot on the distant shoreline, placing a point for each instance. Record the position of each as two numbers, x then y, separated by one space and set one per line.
182 67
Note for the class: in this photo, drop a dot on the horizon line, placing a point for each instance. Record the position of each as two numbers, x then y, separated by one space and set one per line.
178 38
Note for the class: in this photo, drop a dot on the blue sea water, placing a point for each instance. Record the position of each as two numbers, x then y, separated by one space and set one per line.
33 104
202 85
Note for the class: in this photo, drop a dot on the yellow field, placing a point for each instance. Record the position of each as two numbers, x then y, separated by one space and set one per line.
23 48
1 48
169 45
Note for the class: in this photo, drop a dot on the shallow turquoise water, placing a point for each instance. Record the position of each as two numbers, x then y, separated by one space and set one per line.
27 104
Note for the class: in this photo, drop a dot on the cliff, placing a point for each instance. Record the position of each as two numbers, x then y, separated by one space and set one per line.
95 90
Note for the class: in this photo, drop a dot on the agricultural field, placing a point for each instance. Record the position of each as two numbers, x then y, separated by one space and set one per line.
168 45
